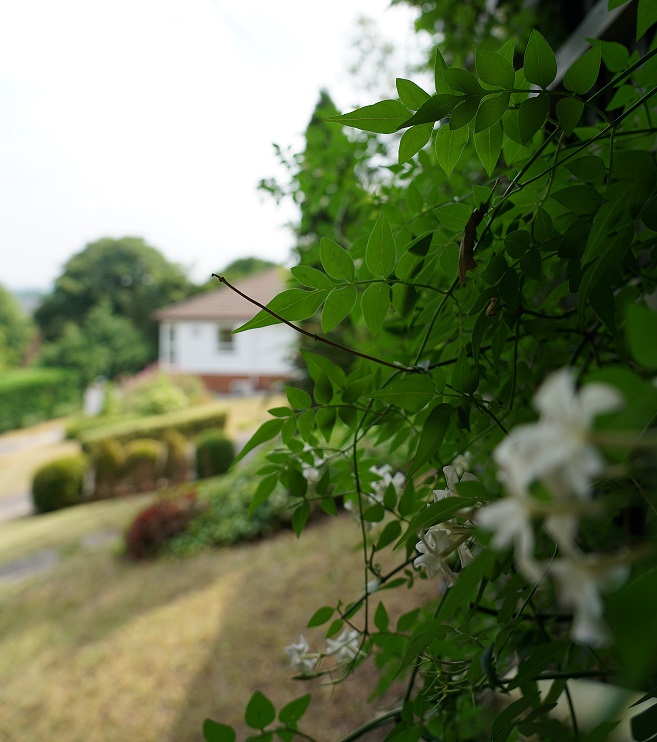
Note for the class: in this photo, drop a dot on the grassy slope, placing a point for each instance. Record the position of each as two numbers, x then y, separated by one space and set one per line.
100 650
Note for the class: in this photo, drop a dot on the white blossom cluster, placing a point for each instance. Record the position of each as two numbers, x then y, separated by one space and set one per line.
558 454
344 648
386 477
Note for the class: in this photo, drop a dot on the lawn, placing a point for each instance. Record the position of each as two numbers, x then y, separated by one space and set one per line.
99 649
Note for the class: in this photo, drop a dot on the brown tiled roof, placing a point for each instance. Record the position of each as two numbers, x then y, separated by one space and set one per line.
223 303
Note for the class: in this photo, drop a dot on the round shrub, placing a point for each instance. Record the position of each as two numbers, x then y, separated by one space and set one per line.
158 523
59 484
143 463
214 454
108 461
176 463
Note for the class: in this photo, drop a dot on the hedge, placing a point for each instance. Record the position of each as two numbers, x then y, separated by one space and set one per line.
29 396
187 422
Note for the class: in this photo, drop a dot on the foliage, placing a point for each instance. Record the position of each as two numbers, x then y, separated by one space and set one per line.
31 395
188 422
157 524
159 394
231 513
102 344
176 463
16 331
144 458
108 463
214 453
59 484
132 277
501 295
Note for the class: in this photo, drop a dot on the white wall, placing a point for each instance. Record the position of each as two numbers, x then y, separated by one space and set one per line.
265 351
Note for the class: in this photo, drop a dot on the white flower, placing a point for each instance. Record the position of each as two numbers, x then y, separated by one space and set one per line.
345 647
511 521
301 661
557 448
386 478
312 472
578 582
452 479
434 545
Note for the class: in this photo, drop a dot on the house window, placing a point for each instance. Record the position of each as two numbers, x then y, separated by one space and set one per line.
225 339
170 344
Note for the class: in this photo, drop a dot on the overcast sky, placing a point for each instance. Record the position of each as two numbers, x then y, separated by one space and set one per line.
155 118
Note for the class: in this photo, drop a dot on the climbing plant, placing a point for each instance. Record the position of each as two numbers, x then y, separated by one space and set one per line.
495 432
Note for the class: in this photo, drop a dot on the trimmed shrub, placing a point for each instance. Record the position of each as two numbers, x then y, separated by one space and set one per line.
143 463
214 454
176 463
108 461
159 523
28 396
188 423
59 484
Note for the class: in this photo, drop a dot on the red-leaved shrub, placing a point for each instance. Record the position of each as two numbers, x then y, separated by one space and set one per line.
158 523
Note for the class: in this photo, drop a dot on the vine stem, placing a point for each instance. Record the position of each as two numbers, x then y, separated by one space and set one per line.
318 338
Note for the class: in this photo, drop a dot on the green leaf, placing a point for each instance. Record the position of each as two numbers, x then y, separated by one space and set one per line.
580 199
265 487
318 365
641 332
384 117
321 616
509 288
436 108
412 141
488 144
531 265
494 69
615 56
389 534
215 732
292 305
590 169
411 94
325 419
265 432
431 438
375 303
532 115
311 277
449 146
463 81
569 112
644 725
323 390
337 306
540 63
439 73
646 17
583 72
466 585
491 111
294 710
298 398
381 253
464 112
381 619
300 517
336 261
411 393
517 243
465 378
453 216
260 711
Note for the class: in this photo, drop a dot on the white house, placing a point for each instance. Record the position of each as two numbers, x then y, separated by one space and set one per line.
196 337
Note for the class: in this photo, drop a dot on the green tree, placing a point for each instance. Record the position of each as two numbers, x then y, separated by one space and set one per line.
16 330
133 277
103 345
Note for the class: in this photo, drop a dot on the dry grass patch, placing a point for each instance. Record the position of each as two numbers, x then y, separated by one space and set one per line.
101 650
